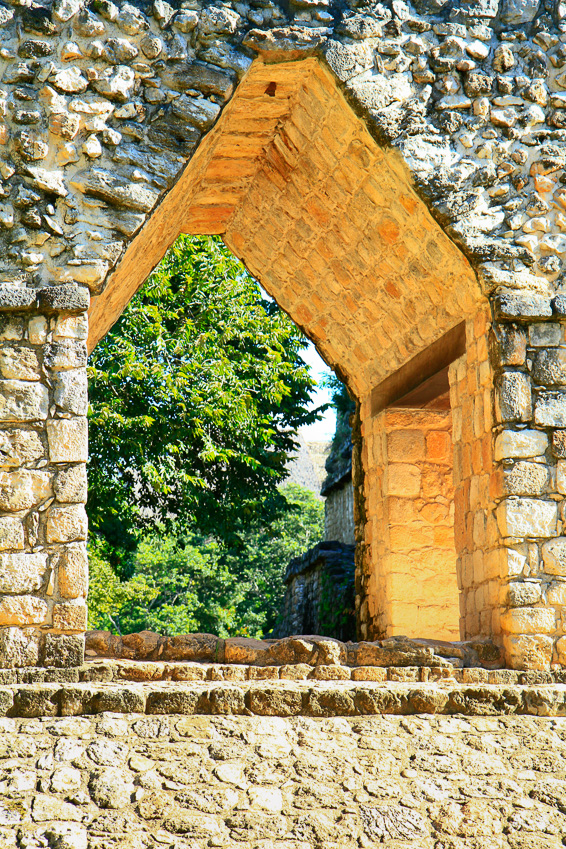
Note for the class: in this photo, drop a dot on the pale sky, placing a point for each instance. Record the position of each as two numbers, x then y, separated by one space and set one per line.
322 430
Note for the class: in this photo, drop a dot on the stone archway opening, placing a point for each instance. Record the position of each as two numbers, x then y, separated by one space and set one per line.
329 223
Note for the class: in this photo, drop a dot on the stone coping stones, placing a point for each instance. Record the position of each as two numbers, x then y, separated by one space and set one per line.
150 672
312 650
313 699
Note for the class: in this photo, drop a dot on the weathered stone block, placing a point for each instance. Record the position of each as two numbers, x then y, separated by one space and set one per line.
37 330
201 647
70 616
528 620
16 297
275 702
22 572
103 644
70 391
512 344
22 489
511 444
141 645
514 397
19 446
545 334
47 808
19 363
527 517
116 190
395 654
68 440
404 479
19 647
23 610
369 673
66 523
66 298
522 593
526 479
243 650
173 701
554 556
522 305
529 652
206 78
64 355
71 566
549 367
331 673
63 650
21 401
70 485
550 409
556 594
71 327
11 533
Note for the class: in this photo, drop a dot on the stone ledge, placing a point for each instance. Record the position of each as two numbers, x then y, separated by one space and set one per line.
282 699
149 672
52 299
311 650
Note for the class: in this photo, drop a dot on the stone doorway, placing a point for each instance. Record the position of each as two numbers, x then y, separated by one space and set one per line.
333 230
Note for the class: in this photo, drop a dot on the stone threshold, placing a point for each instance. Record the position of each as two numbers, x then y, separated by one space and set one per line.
108 671
283 698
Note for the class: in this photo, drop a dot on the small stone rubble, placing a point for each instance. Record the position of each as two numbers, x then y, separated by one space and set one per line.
101 104
125 781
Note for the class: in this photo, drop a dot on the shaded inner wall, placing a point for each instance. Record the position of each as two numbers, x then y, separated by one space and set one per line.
411 503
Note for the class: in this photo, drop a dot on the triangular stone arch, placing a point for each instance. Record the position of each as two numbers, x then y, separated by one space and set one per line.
372 167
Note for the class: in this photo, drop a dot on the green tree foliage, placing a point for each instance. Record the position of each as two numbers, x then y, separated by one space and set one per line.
182 583
196 393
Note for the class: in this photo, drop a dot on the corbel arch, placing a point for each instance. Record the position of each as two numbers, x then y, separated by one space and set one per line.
330 223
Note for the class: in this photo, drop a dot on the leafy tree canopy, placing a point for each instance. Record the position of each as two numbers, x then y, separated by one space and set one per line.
181 583
196 393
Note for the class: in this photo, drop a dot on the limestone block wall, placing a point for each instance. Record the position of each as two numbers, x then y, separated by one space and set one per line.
475 482
43 452
386 172
529 340
410 523
339 514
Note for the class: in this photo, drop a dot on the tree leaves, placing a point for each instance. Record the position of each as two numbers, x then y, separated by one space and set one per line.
196 394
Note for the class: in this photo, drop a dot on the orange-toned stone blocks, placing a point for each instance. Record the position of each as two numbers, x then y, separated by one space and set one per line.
409 502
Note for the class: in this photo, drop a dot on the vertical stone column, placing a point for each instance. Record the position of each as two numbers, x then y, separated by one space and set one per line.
530 482
477 537
43 453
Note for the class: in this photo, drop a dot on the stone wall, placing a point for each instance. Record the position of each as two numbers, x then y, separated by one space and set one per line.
43 453
386 173
319 594
339 514
476 484
294 769
410 502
